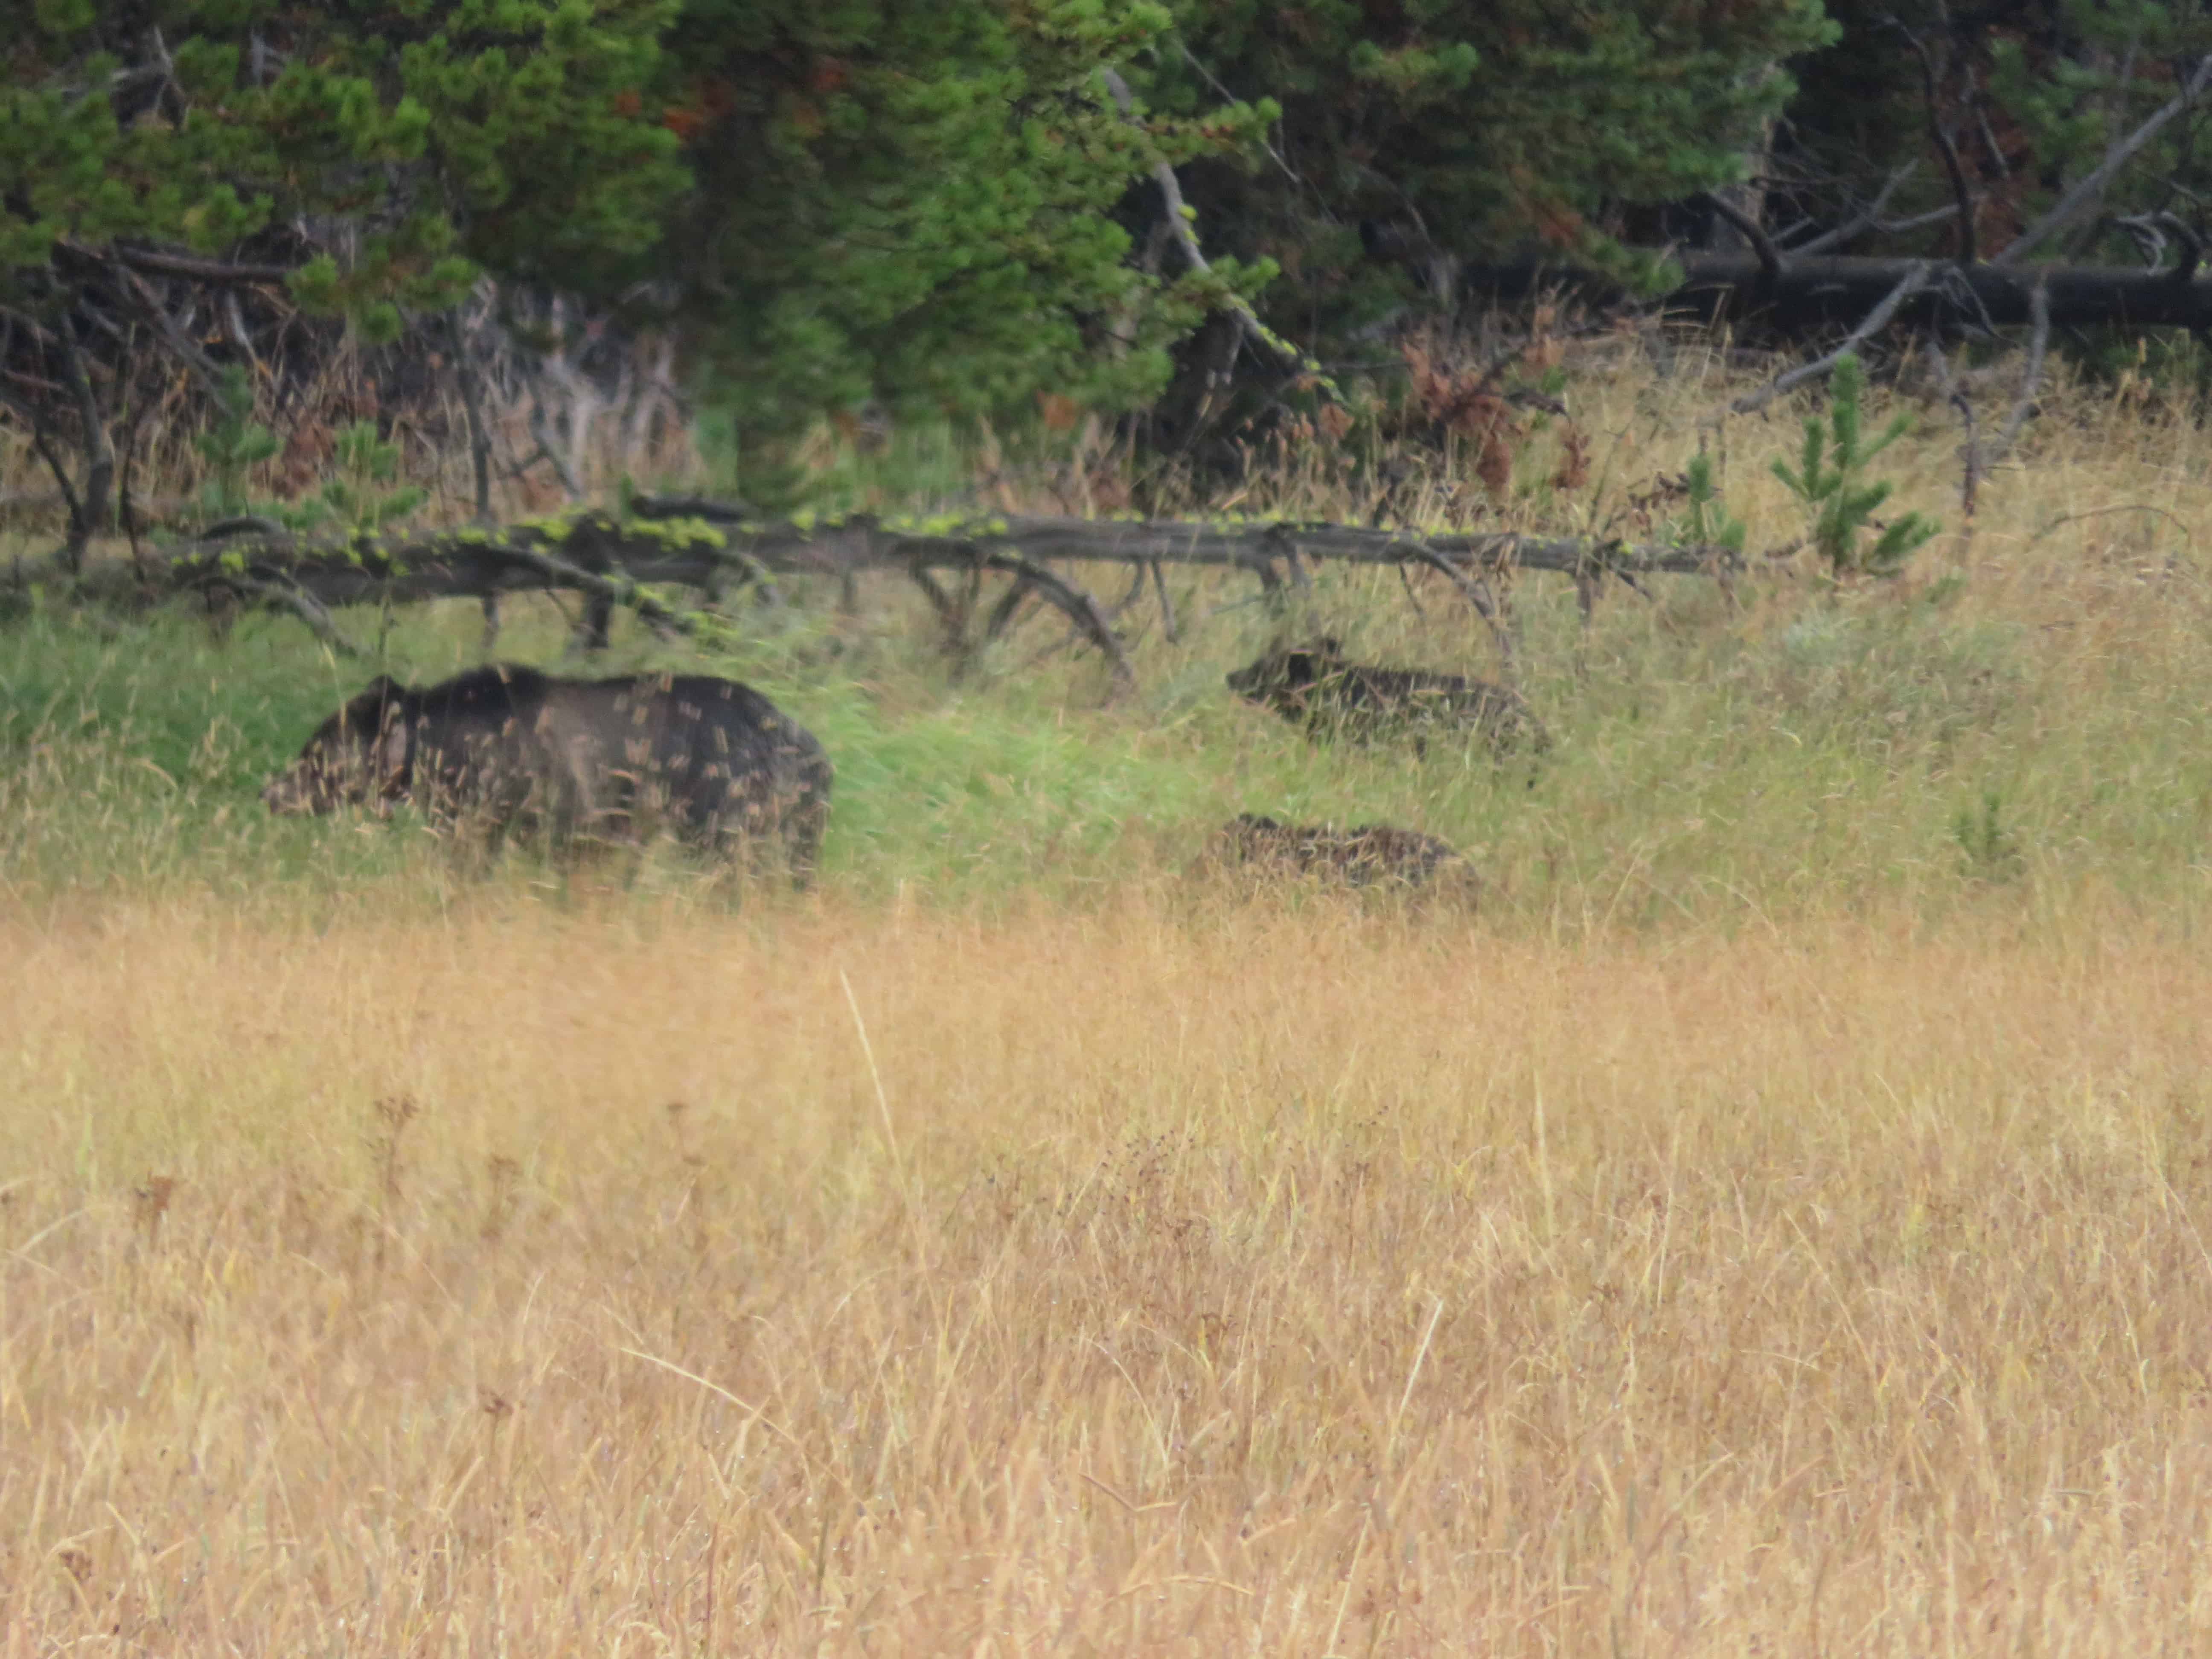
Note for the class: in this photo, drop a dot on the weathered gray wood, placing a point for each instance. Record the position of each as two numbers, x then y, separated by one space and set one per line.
686 543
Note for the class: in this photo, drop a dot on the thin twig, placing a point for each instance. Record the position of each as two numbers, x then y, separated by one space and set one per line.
1472 592
181 345
465 376
2030 377
2059 523
1915 279
1870 219
1944 146
541 429
1954 391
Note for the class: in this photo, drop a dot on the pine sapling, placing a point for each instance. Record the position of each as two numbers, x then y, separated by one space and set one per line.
1708 523
366 493
234 444
1831 482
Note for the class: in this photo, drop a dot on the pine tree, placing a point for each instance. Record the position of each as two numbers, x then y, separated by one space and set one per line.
1469 126
912 201
151 150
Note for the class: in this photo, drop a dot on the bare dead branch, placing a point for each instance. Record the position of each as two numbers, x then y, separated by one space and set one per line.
616 561
2030 377
217 272
1179 222
465 378
1472 590
2091 185
2192 245
1915 278
1869 218
2063 520
89 513
181 345
1969 456
1963 198
291 596
1115 612
1002 614
1762 245
948 613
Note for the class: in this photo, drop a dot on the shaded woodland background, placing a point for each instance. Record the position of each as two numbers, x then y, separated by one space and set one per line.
584 243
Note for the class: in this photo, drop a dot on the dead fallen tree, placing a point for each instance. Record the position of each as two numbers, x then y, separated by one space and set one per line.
1797 295
647 559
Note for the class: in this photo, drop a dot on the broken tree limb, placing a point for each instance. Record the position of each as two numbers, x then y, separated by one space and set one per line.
2091 185
1911 283
1829 291
592 551
1962 197
1471 589
1167 606
635 561
1762 245
1179 221
2031 378
290 596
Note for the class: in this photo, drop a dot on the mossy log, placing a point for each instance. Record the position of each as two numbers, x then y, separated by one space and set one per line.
642 559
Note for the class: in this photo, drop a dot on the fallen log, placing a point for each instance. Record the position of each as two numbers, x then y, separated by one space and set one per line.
637 561
1804 294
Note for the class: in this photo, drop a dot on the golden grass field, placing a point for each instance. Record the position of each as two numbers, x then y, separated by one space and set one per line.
1779 1224
1181 1277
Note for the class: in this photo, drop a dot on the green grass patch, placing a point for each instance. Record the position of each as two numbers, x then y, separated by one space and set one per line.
1801 751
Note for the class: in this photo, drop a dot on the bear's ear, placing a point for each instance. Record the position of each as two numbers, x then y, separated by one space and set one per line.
365 713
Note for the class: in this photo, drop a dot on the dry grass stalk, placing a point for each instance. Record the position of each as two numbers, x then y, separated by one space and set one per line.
1255 1280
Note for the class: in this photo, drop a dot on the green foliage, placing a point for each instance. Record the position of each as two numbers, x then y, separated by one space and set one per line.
1871 678
2034 98
1737 770
1707 522
1829 481
234 444
912 202
365 493
1991 849
2118 67
454 133
1480 122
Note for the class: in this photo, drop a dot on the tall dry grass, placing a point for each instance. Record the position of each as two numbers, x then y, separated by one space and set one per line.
1174 1279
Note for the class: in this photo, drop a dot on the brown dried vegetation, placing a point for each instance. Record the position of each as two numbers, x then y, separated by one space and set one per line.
1306 1282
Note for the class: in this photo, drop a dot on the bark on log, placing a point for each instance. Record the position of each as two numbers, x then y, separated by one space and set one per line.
667 544
1808 293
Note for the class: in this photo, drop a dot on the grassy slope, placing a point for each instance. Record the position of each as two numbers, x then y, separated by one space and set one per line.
2034 719
1777 1225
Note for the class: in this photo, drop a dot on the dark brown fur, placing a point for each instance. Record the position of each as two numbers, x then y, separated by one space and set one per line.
1366 855
504 747
1315 686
